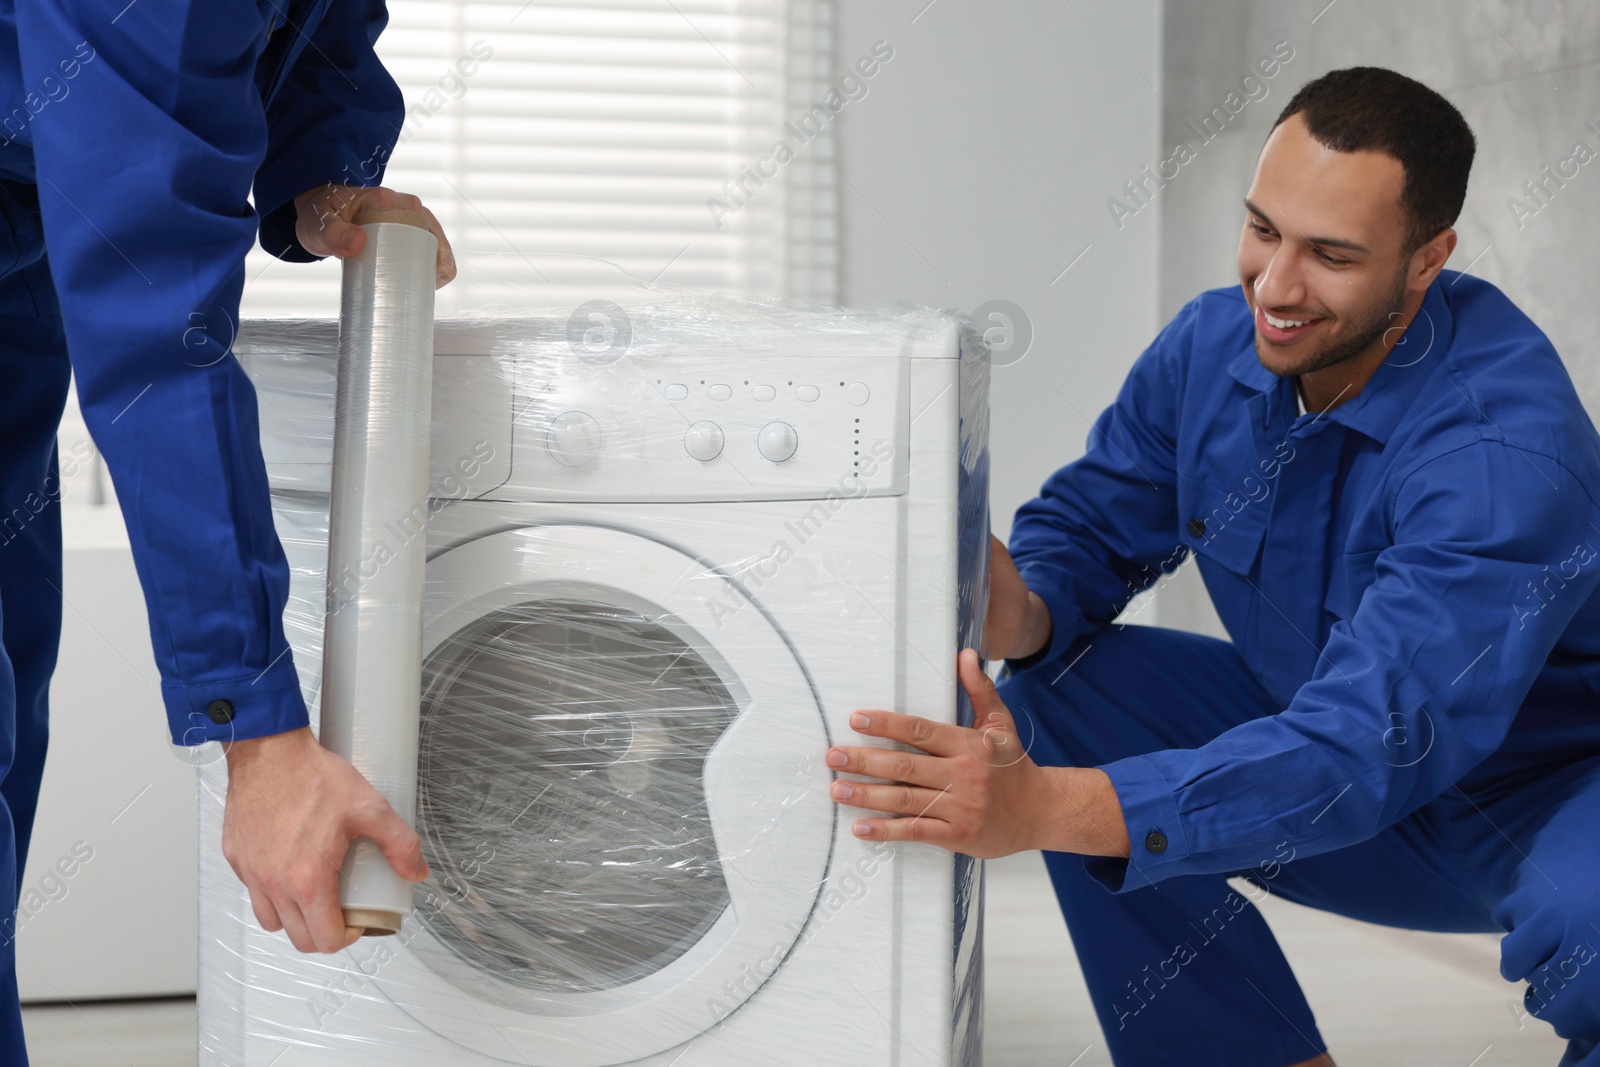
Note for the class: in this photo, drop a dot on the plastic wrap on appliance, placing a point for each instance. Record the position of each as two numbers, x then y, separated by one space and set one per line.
972 563
666 559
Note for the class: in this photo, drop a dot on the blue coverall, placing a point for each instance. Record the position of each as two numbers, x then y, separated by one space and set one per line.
132 136
1405 727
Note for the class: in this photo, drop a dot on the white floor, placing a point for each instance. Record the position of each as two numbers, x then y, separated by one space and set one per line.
1382 997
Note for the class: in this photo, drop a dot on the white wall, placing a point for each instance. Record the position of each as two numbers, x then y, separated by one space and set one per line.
978 167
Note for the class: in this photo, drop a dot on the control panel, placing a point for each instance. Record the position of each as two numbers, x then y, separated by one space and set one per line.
709 427
519 414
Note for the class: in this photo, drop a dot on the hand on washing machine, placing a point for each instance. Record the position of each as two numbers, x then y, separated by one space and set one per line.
292 810
324 228
1018 623
974 790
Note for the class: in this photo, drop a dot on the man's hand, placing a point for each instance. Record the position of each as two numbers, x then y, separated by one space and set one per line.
1018 624
323 225
975 790
293 809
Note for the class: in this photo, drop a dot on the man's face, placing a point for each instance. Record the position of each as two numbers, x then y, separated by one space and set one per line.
1320 257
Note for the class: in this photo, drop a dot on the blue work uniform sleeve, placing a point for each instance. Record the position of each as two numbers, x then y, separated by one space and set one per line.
1419 686
144 174
1084 568
333 117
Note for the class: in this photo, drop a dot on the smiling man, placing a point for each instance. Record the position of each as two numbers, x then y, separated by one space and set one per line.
1389 483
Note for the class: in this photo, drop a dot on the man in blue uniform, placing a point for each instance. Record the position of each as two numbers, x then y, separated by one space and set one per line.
1390 486
132 138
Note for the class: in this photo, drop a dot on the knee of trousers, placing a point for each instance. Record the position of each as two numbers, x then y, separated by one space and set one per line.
1555 948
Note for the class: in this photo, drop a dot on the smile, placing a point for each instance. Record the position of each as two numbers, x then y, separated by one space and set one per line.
1282 331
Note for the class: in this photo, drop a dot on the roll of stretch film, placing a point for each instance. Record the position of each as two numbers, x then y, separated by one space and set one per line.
377 541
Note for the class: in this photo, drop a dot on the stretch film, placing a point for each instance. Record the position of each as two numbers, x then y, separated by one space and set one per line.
377 544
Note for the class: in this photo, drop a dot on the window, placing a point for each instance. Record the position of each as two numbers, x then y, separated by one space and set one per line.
551 135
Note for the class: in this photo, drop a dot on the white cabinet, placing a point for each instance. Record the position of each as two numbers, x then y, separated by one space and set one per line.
107 907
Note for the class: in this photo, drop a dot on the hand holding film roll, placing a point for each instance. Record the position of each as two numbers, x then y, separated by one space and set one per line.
377 539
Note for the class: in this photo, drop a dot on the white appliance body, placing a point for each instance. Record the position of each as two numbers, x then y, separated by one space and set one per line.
577 547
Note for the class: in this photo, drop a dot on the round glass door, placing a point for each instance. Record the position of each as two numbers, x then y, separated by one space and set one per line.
609 870
621 795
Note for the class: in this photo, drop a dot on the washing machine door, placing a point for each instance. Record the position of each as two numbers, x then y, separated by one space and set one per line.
621 795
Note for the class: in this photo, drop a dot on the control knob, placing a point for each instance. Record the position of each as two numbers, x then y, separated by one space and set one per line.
703 441
777 441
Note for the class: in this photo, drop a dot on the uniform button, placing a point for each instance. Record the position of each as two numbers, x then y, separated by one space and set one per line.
1155 841
1197 527
221 711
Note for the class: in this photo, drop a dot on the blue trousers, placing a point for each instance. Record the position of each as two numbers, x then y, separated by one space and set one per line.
1187 970
34 376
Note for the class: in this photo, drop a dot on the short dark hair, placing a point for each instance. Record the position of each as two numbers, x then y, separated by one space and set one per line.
1373 109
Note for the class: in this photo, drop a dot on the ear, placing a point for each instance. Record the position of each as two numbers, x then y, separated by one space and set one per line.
1429 260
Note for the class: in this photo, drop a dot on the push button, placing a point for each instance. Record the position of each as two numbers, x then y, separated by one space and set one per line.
220 711
857 393
1197 527
763 392
573 439
807 394
1155 841
676 391
720 392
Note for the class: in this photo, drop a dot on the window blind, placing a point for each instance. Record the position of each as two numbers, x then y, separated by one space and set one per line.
551 135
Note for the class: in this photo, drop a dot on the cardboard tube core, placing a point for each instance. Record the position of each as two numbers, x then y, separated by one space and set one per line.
371 922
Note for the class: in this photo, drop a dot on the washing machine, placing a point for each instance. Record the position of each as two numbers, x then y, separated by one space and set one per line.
670 549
